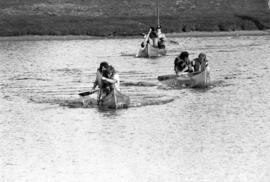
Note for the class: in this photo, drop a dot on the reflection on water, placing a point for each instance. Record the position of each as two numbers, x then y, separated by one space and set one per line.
217 133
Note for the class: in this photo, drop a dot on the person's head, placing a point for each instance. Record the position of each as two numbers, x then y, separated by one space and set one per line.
184 55
159 29
152 28
109 72
202 56
103 66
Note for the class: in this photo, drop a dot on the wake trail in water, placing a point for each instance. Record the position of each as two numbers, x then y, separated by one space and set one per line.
88 102
139 84
176 86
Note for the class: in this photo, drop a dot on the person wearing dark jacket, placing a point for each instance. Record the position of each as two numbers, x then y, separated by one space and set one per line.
183 64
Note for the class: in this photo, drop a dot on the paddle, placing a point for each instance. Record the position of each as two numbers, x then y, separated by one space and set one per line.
83 94
171 76
174 42
146 38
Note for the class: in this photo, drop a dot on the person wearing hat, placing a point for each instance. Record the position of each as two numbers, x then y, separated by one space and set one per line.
182 63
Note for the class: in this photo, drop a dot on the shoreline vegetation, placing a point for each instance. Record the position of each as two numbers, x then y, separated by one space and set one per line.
65 25
168 35
118 18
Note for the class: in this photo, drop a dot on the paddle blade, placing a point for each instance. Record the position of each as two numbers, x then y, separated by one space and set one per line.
166 77
83 94
174 42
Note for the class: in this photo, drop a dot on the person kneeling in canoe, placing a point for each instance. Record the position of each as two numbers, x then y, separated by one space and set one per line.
153 37
200 63
98 81
112 97
161 38
110 81
183 64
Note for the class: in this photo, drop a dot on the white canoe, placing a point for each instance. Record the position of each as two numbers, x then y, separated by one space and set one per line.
150 51
200 79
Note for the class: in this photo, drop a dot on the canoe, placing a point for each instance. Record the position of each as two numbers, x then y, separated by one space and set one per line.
155 52
115 100
150 51
199 79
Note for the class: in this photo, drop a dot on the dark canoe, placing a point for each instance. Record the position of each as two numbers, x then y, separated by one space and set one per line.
187 79
115 100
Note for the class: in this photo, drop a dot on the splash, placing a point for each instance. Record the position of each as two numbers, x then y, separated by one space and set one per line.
87 102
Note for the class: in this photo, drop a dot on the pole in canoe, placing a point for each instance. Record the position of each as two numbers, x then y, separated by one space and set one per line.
157 12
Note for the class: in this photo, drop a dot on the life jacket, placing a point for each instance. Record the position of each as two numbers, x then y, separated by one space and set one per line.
204 65
200 65
197 66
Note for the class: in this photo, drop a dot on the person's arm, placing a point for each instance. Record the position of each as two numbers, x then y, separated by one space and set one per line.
95 85
206 63
95 82
176 69
184 70
176 60
109 80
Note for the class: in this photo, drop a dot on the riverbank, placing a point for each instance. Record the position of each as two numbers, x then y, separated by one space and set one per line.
14 25
168 35
129 18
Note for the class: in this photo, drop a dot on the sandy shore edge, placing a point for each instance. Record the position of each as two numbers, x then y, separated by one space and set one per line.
169 35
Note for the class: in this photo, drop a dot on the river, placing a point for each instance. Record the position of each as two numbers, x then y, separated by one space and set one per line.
218 133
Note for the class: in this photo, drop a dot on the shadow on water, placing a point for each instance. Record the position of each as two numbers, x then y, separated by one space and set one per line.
128 54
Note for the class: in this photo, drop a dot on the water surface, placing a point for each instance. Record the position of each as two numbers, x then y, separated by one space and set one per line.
218 133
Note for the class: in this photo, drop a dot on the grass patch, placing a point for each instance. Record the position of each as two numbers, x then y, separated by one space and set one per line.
115 26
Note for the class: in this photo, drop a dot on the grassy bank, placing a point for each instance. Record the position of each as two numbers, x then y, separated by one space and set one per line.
128 17
127 26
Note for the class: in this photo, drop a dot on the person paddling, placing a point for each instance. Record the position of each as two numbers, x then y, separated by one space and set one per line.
200 63
161 38
98 81
110 80
183 64
153 37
